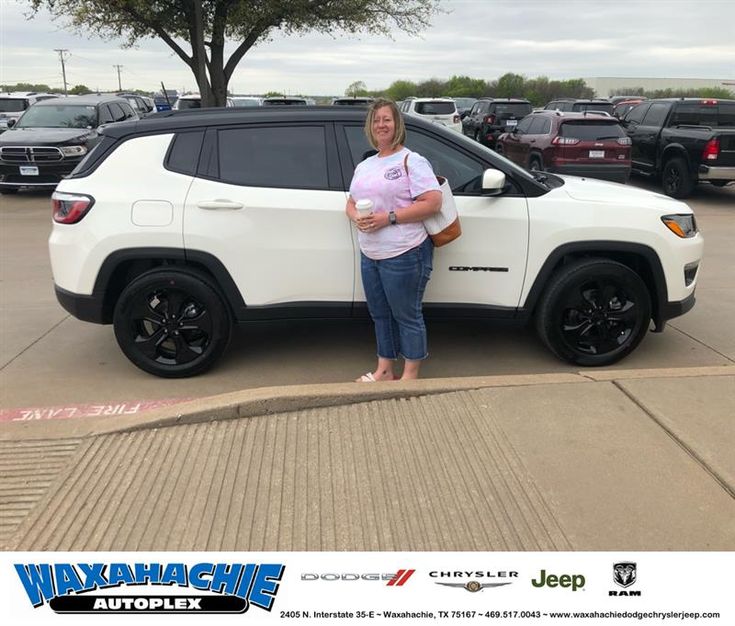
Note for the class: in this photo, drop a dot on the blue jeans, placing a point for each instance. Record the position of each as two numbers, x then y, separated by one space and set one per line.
394 289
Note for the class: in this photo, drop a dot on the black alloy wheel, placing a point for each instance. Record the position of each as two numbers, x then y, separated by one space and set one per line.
172 323
594 312
675 178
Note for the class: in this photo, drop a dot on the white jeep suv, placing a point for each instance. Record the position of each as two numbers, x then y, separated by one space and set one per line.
442 111
238 215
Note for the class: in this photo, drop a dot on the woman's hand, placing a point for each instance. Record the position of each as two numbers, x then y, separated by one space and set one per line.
372 222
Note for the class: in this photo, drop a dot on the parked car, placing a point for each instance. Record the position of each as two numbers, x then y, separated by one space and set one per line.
53 136
194 101
140 106
213 232
489 118
247 101
683 141
578 144
14 104
441 111
285 101
623 106
578 105
352 101
464 105
618 99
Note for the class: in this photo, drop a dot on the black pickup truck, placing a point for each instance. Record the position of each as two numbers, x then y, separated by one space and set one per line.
683 141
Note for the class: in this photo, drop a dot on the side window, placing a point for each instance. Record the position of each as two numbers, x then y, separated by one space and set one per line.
525 124
636 113
537 125
656 114
282 156
105 115
118 115
546 129
183 155
128 110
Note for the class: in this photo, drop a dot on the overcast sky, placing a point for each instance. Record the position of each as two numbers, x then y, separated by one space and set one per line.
479 38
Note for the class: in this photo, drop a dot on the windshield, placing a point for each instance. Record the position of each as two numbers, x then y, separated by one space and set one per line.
607 107
185 103
241 102
59 116
13 105
465 103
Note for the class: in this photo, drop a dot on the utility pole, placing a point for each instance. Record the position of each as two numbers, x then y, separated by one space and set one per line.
119 84
61 52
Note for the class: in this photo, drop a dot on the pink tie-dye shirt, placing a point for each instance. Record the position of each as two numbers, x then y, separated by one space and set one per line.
384 181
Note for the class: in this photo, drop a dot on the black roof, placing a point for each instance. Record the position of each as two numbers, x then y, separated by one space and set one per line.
81 100
488 99
718 100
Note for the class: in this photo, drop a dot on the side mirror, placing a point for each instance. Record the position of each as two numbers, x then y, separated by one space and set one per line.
493 182
11 122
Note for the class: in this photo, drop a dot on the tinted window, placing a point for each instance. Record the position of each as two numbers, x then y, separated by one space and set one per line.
636 113
105 115
590 131
293 156
656 114
525 124
696 113
118 115
539 126
189 104
505 109
127 110
183 155
435 108
13 105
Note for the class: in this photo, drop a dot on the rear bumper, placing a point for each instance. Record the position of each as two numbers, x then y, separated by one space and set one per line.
707 172
86 308
614 173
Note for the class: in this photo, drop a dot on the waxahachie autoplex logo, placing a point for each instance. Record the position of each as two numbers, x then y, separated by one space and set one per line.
625 574
228 587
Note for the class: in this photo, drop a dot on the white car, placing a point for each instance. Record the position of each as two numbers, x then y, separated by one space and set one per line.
194 101
442 111
14 104
239 216
247 101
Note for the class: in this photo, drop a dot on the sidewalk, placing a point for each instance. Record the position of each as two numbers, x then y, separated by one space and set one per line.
599 460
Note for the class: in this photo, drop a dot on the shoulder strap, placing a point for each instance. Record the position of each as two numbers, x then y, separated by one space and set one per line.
405 162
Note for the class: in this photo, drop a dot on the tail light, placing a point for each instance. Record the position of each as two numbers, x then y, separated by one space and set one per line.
709 102
564 141
711 150
624 141
70 208
456 119
489 119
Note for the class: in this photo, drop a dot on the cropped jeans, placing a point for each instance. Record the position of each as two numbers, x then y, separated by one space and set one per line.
394 289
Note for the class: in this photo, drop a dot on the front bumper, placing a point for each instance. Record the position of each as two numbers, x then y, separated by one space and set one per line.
49 174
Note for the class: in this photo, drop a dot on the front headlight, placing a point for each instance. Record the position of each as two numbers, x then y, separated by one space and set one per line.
683 226
73 151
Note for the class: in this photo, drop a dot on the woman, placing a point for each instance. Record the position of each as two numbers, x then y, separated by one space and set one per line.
396 251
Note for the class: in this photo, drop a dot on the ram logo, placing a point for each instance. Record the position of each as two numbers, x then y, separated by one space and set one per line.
624 574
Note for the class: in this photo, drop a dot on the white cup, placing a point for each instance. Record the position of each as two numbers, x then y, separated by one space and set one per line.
364 207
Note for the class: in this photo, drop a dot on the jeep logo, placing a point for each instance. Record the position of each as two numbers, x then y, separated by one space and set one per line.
575 581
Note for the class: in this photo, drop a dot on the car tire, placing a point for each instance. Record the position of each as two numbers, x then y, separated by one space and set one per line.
594 312
478 136
172 344
535 164
8 191
675 178
719 183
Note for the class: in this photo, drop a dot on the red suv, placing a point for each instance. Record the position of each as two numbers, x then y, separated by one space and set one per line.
579 144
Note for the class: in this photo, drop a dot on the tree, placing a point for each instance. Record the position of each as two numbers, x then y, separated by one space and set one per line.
355 89
400 90
206 24
80 90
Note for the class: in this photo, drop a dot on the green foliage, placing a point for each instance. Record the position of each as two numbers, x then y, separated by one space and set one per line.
273 94
400 90
40 88
704 92
79 90
355 89
465 87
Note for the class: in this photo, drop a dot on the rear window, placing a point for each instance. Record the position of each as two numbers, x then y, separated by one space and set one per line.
436 108
696 113
519 109
590 131
607 107
284 101
13 105
189 104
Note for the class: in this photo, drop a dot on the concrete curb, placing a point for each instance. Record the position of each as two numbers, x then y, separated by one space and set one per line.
271 400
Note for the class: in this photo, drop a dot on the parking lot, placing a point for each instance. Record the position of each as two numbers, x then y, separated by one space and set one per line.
50 359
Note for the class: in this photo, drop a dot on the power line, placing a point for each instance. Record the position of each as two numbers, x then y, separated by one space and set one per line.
61 52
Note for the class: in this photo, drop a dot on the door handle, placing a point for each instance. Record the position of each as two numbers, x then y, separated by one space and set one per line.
220 204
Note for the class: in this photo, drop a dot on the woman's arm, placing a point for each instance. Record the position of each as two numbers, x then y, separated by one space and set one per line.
427 204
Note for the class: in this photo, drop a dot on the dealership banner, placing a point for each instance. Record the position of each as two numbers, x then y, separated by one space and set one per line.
583 588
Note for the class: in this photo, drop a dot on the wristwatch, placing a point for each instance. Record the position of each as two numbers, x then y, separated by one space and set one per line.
392 217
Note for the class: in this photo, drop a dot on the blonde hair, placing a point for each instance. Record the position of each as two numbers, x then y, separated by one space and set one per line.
399 135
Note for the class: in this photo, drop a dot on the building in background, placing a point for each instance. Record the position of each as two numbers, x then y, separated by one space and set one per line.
606 86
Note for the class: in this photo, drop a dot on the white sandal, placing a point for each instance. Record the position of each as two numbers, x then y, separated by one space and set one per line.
369 378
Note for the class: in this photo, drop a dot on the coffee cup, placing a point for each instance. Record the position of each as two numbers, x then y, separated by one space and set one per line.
364 207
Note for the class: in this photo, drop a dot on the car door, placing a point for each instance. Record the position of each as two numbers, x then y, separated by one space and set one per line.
647 134
268 199
631 122
485 266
